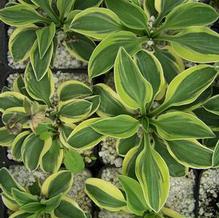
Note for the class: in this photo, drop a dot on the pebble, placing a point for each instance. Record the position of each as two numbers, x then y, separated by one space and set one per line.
110 174
108 152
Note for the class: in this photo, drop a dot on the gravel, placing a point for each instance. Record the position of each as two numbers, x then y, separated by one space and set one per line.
209 194
110 174
109 154
181 197
77 191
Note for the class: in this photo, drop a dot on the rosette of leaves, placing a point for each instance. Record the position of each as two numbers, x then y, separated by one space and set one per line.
158 133
37 23
48 199
173 30
129 198
37 120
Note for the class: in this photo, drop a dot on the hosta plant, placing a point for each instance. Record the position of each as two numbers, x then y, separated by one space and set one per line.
41 200
37 120
156 129
164 118
37 23
171 29
129 199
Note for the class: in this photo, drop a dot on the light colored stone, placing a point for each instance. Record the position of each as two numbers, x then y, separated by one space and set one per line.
209 194
181 196
108 152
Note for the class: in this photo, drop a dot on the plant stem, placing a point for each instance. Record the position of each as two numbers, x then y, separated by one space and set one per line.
157 32
143 39
159 110
158 20
171 213
164 38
